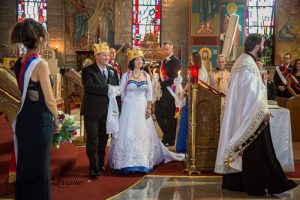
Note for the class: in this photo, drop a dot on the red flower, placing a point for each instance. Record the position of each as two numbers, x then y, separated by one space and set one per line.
74 132
62 117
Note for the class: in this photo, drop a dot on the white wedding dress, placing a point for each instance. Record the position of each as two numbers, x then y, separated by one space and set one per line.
137 147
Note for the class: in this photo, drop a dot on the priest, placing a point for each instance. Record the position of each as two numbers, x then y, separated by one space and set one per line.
246 155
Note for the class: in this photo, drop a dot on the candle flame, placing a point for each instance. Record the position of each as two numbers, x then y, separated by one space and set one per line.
179 73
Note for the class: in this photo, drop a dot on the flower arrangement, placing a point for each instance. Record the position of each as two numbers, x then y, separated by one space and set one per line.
68 129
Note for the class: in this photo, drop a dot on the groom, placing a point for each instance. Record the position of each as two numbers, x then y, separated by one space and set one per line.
95 79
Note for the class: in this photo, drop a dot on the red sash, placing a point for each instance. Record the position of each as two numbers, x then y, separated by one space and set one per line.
283 73
294 81
115 66
165 76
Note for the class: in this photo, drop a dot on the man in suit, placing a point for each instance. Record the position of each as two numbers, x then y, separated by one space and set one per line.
95 79
281 74
112 62
165 107
271 88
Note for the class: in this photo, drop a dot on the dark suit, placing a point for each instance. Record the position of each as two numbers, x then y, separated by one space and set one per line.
278 82
271 90
94 108
165 107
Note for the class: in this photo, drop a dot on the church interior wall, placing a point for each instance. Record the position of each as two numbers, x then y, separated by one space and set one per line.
174 26
7 19
175 22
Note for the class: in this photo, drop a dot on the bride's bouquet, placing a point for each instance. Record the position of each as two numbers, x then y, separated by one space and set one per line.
68 129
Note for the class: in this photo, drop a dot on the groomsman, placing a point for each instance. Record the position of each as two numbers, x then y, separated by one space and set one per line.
95 79
112 62
165 107
281 76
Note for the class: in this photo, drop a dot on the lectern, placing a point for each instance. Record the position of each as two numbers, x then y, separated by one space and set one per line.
203 128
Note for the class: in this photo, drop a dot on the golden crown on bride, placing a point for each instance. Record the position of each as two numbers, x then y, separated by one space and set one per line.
134 53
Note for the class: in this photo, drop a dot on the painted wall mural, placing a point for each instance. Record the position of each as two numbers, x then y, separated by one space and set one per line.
205 18
287 31
237 8
88 22
209 55
77 16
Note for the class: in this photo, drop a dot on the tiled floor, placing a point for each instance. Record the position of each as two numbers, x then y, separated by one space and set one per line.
177 188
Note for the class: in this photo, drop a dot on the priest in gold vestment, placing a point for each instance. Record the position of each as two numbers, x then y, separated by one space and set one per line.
219 78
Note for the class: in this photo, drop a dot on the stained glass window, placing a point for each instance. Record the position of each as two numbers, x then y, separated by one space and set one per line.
36 9
146 18
260 17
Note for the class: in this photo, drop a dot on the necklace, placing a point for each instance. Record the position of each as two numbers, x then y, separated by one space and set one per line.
138 77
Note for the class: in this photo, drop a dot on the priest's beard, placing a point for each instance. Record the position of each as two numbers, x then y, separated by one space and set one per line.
259 53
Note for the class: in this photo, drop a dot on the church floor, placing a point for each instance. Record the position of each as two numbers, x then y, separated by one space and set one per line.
163 185
205 188
167 181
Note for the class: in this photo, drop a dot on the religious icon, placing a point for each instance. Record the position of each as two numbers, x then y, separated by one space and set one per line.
287 29
206 54
205 17
207 12
286 32
77 16
234 8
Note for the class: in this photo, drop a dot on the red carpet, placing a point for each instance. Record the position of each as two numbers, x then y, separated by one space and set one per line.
69 168
62 159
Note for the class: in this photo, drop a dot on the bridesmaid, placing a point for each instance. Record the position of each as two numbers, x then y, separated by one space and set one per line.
35 122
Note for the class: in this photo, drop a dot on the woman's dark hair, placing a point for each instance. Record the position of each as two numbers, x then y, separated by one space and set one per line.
131 64
196 58
294 69
28 32
251 41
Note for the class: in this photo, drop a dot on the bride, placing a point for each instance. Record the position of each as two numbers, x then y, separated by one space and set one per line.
137 147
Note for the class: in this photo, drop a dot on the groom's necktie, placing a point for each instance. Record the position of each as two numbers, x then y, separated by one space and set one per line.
104 75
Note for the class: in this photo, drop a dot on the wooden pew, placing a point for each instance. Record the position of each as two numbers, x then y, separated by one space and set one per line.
281 101
293 104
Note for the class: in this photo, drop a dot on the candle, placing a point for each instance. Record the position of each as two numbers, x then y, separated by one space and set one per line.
193 70
178 80
179 73
155 75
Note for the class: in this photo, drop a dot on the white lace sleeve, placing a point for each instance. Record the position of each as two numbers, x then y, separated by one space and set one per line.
123 85
149 91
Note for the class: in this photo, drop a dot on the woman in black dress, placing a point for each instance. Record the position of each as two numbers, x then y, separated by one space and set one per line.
294 80
34 125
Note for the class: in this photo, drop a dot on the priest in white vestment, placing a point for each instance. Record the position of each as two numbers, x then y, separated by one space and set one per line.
246 155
